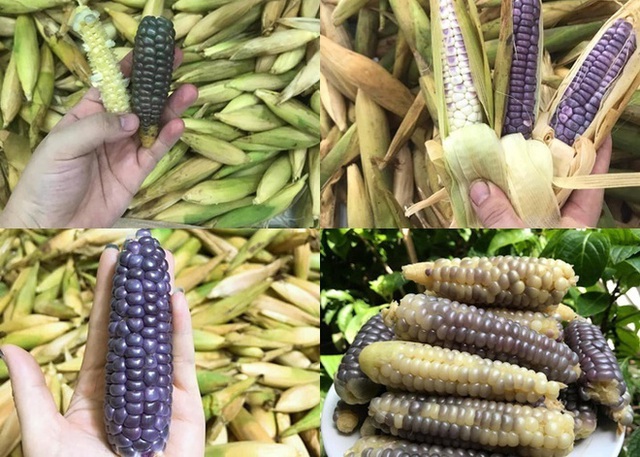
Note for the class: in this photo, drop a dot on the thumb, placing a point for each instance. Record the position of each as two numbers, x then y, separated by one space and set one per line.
88 133
492 206
36 409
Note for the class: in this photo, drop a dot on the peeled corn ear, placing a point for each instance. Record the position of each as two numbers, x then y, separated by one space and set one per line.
106 76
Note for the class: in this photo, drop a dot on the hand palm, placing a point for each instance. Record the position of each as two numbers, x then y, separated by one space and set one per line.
89 167
81 431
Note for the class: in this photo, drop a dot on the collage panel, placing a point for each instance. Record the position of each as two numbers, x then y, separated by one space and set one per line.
480 342
479 113
159 112
133 342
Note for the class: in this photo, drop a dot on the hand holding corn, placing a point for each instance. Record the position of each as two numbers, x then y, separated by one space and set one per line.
80 432
86 171
582 209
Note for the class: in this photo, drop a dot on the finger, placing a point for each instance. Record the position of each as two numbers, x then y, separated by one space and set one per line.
179 102
184 363
168 137
84 135
584 206
90 104
98 337
492 206
34 403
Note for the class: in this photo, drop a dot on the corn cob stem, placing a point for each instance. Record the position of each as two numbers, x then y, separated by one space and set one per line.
416 367
352 385
468 421
106 70
450 324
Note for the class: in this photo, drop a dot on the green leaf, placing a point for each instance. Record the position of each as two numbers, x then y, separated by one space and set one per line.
591 303
633 445
629 273
619 253
344 317
587 251
629 342
509 238
624 237
628 314
386 285
331 363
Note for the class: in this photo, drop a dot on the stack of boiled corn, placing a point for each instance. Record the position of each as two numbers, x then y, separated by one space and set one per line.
250 151
254 298
418 106
492 374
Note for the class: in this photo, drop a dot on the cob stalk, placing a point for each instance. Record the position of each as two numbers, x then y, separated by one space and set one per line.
151 74
106 70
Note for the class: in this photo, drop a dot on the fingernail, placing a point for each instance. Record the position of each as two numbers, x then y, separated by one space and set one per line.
479 192
128 122
111 246
179 290
1 355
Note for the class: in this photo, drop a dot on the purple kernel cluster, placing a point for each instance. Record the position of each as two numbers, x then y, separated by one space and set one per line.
137 406
582 99
523 80
352 385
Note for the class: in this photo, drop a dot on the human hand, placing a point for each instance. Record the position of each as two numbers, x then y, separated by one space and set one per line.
582 208
81 431
88 168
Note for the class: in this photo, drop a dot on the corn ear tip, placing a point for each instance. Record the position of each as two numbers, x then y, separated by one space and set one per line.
83 15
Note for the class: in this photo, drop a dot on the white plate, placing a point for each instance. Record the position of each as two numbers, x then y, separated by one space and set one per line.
604 442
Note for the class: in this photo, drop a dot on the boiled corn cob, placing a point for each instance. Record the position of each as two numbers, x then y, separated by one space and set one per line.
601 379
535 320
522 101
388 446
493 425
584 412
506 281
106 76
602 66
139 362
462 104
453 325
347 417
151 74
352 385
417 367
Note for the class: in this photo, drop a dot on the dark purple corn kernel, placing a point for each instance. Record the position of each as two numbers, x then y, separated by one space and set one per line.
601 379
352 385
602 66
137 407
151 74
520 112
388 446
584 412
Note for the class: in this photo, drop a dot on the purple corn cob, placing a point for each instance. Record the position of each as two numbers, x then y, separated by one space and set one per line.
584 412
601 379
453 325
139 385
523 80
582 99
352 385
